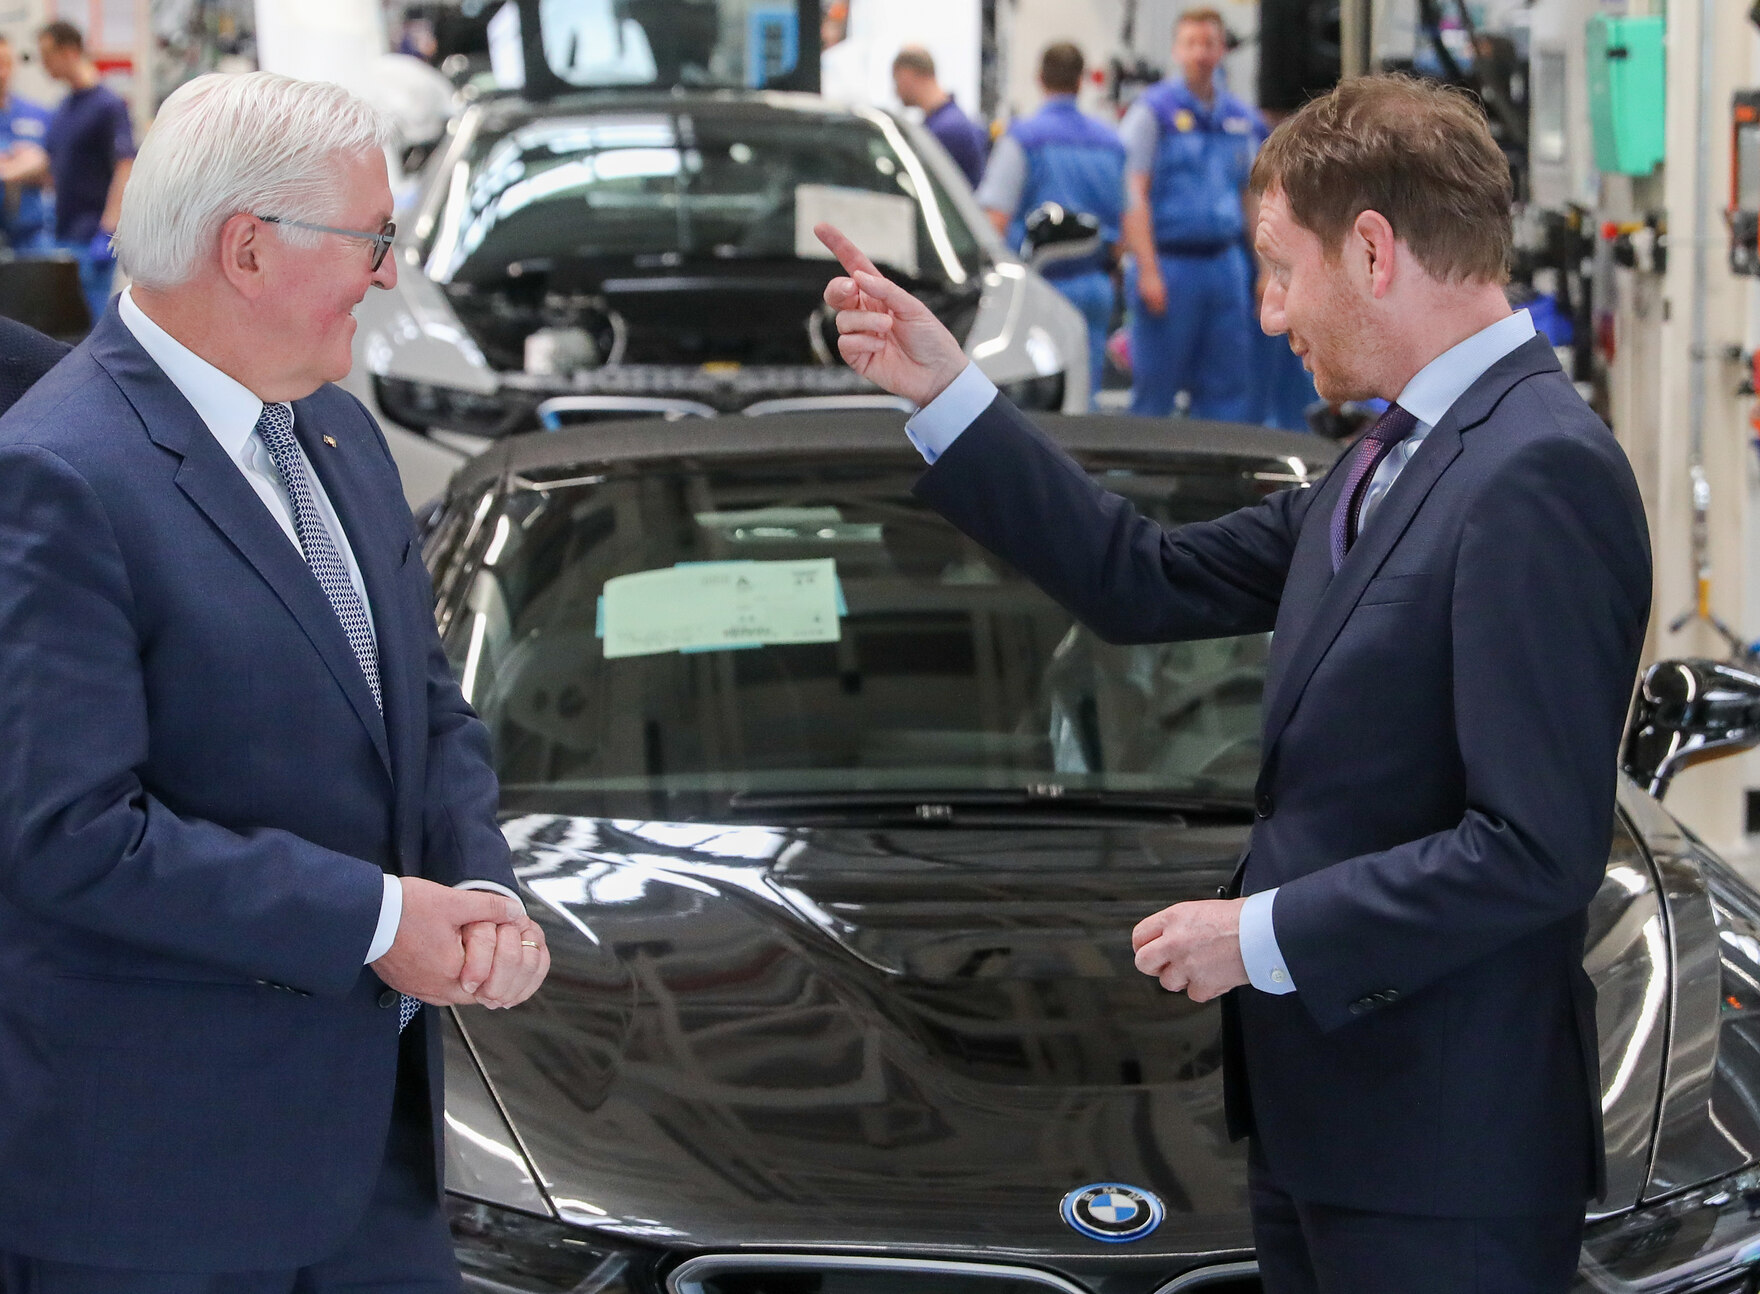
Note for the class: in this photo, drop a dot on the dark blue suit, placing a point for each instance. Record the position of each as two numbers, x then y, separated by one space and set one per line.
1436 797
199 794
25 355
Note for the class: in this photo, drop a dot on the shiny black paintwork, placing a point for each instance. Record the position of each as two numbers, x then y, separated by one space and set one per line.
912 1040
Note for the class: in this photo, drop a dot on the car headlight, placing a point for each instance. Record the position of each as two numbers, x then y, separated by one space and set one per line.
423 405
1044 393
514 1253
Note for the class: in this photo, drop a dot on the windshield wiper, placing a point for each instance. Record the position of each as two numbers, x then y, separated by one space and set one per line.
1035 800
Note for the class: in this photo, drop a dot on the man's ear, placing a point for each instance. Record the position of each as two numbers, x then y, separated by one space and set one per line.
1374 241
242 240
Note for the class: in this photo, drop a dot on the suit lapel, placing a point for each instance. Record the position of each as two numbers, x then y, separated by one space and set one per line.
214 484
1324 601
1310 575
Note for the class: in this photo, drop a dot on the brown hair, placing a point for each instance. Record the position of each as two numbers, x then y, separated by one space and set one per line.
1417 153
1060 68
916 59
1203 14
63 35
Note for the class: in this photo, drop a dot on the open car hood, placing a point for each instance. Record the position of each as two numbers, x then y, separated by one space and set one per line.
864 1037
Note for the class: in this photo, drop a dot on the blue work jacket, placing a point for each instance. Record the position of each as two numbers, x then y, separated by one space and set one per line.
1072 160
1201 166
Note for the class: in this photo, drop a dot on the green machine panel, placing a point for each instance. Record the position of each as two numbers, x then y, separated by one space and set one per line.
1626 92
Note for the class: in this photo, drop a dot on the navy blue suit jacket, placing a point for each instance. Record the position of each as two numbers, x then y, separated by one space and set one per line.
1436 798
197 799
25 355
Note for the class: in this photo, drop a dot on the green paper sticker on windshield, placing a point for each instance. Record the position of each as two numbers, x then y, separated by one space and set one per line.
721 605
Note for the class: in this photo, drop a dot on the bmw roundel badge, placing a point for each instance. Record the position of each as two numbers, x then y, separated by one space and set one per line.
1112 1211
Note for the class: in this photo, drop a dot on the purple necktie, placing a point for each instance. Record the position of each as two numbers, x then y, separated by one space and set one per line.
1392 427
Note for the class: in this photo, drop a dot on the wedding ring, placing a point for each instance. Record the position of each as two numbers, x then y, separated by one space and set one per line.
528 943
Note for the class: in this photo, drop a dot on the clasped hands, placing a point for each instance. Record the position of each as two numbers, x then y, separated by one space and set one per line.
457 947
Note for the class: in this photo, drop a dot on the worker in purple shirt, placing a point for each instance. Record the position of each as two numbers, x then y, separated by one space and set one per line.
913 77
90 143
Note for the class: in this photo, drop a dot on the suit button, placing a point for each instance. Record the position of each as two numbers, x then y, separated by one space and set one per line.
1390 996
1359 1006
1264 805
388 997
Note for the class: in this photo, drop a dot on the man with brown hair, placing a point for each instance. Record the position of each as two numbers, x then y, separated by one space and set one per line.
913 77
1459 608
90 143
1189 146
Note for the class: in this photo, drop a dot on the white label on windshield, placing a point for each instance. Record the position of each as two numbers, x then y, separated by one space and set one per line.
883 225
720 606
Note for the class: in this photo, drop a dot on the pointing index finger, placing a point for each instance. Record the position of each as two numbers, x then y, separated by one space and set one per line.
852 257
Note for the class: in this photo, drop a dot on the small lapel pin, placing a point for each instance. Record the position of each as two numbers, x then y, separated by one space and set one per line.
330 441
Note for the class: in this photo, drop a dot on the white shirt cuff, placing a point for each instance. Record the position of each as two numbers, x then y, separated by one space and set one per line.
1259 948
494 886
390 913
939 423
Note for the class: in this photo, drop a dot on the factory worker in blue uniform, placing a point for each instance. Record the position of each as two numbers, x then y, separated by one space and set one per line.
1062 156
1189 146
24 165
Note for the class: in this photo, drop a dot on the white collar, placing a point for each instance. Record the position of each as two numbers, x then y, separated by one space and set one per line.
1435 388
223 403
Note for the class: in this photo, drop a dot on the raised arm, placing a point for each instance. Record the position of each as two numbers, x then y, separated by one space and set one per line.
1005 483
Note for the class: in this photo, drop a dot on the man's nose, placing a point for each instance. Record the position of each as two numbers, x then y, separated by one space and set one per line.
1271 318
386 275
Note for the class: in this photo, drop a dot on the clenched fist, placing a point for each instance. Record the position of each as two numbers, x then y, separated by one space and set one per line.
1193 948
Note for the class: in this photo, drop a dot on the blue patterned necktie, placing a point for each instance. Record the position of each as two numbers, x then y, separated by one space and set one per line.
276 429
1392 427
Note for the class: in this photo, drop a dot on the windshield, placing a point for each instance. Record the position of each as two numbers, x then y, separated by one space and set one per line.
663 640
659 189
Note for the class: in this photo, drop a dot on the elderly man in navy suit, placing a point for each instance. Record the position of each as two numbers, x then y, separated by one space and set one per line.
247 821
1459 609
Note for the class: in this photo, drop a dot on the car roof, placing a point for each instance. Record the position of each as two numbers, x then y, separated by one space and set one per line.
544 454
508 112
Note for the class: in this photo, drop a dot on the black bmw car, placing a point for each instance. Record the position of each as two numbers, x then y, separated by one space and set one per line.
838 829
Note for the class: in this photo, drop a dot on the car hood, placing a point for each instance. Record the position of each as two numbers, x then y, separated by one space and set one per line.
860 1038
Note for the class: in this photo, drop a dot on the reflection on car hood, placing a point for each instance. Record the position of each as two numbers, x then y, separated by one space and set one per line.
856 1038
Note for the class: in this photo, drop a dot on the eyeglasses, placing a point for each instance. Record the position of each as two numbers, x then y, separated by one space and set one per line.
381 241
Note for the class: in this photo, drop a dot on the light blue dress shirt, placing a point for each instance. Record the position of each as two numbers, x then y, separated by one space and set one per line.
1427 397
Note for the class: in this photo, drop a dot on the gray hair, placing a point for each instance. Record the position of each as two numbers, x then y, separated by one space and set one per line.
254 142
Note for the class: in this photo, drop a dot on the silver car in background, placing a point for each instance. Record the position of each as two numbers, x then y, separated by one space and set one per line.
626 252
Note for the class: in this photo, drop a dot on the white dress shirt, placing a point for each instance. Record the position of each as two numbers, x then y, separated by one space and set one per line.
230 413
1427 397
